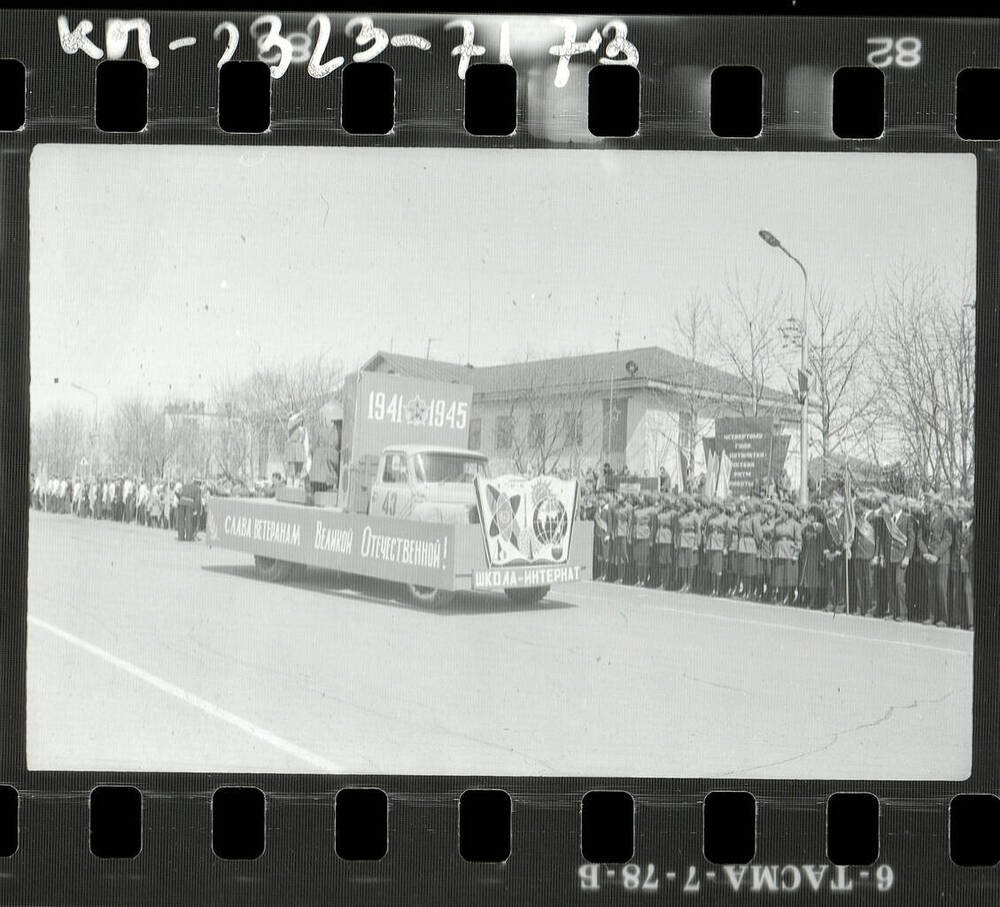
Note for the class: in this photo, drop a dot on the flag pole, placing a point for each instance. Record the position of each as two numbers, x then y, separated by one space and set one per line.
847 504
847 583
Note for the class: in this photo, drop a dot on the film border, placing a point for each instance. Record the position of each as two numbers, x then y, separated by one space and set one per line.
176 862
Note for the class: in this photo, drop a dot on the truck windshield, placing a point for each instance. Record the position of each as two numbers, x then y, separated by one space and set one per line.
447 467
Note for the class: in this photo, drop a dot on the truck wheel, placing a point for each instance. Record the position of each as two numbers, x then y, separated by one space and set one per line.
273 570
527 596
428 596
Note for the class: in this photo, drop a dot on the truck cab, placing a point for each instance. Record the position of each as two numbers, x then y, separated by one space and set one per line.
428 483
383 453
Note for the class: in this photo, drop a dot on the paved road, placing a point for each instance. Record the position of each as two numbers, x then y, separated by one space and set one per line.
151 655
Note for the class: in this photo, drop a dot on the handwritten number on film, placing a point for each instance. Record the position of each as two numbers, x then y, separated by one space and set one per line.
619 44
279 50
903 52
317 68
295 48
116 35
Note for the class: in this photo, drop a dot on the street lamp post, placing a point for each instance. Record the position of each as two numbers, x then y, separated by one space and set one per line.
93 442
773 240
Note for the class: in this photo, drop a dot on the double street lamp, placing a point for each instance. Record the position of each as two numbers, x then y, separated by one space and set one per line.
773 241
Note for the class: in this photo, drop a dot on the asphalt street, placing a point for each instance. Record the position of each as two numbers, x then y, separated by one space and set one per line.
147 654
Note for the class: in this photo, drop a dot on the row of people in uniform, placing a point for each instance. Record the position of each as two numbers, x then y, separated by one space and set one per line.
159 503
907 560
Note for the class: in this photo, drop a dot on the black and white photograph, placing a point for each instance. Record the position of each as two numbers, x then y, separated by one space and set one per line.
432 461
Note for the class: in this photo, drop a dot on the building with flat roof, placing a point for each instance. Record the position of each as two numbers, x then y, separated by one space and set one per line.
638 407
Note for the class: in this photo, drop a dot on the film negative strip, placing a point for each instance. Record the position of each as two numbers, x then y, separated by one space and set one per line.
522 458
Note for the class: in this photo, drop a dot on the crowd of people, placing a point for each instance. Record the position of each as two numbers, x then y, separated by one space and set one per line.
880 555
160 503
877 554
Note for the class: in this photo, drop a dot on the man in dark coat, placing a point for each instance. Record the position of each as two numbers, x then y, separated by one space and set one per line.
835 550
185 511
602 536
861 559
920 575
901 542
664 546
811 562
608 477
935 549
966 545
622 528
643 532
194 514
880 565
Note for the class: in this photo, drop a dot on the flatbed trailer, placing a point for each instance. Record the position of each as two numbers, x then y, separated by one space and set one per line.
441 558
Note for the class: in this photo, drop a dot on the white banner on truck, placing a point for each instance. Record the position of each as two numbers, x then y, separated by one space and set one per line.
526 520
394 409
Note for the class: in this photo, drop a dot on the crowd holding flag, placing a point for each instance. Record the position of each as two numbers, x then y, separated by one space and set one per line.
859 551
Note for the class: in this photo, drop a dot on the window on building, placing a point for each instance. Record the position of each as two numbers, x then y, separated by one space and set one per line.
475 434
505 432
574 428
536 430
685 436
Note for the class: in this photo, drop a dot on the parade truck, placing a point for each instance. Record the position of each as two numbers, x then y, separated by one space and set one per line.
410 503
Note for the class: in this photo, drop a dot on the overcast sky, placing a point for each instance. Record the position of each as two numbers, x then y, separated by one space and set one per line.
163 269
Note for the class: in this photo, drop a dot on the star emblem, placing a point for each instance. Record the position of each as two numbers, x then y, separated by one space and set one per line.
416 411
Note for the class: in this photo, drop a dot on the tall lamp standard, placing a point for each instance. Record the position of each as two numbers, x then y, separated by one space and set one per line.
773 240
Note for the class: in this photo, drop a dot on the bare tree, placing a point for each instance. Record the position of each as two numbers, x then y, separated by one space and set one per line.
839 345
59 441
692 323
138 439
238 419
306 384
686 410
552 425
253 411
547 433
747 330
925 367
190 432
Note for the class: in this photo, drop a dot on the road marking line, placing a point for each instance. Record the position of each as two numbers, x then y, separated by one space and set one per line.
778 624
165 686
